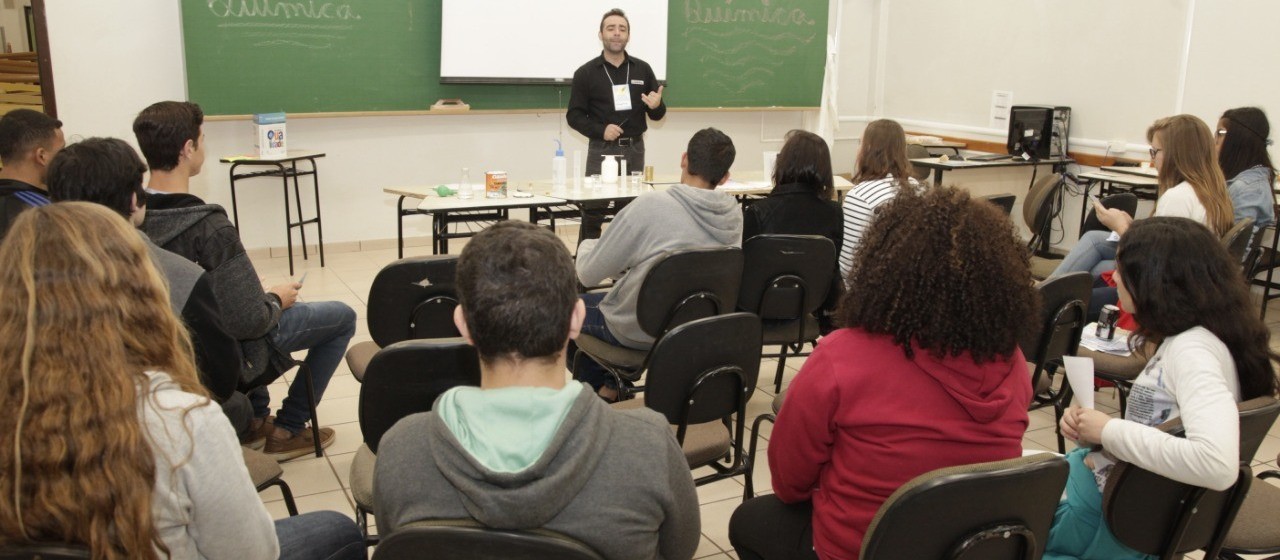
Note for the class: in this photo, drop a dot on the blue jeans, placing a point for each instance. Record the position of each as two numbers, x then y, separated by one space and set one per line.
320 535
586 369
321 328
1092 254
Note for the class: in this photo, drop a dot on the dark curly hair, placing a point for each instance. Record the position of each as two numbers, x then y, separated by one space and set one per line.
1180 276
945 273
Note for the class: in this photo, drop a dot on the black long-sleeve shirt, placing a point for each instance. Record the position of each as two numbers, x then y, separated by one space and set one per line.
591 99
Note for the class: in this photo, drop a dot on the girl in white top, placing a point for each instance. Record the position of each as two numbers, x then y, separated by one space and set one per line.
881 160
99 448
1190 185
1189 299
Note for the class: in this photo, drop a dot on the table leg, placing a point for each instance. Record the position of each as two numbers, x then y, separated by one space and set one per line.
288 229
235 212
315 183
297 197
937 177
400 228
439 231
1085 204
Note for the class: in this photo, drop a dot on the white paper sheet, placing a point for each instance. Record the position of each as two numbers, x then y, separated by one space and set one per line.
1080 376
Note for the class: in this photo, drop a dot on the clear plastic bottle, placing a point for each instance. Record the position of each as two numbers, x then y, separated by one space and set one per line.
464 184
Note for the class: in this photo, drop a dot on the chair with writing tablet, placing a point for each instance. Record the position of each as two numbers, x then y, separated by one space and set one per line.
410 299
1064 304
683 286
403 379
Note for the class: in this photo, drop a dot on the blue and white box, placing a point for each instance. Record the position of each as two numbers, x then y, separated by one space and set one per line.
269 134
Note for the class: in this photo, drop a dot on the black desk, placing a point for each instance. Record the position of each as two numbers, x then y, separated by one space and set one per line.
942 166
285 167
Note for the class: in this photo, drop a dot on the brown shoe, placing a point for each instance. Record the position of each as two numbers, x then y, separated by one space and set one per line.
257 438
283 448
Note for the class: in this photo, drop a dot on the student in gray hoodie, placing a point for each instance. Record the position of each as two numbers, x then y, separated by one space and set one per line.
691 214
529 449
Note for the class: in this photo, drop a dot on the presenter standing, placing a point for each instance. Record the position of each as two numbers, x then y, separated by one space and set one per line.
611 96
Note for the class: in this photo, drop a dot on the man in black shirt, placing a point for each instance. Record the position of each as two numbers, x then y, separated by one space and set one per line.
611 96
28 141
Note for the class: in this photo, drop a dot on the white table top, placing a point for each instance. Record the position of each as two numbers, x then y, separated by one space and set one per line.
1143 171
290 155
1121 178
434 202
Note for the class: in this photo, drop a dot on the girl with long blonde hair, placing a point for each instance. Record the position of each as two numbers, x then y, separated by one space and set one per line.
1190 185
110 441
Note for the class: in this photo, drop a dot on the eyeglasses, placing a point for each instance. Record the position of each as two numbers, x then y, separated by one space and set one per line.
1154 151
1222 132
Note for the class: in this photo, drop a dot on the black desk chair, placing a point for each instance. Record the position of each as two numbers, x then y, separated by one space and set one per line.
1003 200
990 511
682 286
1065 302
403 379
785 280
702 389
467 540
1155 515
1238 238
410 299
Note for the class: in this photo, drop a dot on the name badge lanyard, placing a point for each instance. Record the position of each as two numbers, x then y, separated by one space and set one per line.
621 93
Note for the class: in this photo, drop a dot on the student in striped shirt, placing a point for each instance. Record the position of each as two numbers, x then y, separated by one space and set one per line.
881 162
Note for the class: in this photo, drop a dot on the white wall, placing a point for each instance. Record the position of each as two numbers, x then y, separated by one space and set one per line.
930 64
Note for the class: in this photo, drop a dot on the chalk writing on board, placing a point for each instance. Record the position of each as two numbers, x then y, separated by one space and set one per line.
308 9
251 13
742 44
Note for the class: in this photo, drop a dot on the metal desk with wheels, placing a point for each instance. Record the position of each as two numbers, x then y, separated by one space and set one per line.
285 167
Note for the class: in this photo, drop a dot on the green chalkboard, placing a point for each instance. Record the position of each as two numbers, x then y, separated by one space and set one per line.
311 56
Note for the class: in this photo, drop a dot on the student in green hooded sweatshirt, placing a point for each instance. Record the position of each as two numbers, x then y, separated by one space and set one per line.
530 449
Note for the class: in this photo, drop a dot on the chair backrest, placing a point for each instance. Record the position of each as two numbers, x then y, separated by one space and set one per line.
1038 206
1064 305
413 298
705 370
1238 237
1155 515
999 510
1119 201
407 377
47 551
470 541
916 151
785 277
686 285
1004 200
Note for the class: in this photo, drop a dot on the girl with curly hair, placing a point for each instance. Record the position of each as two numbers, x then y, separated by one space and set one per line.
1212 351
111 442
925 374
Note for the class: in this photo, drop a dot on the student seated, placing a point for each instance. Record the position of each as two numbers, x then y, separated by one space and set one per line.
528 449
925 374
28 141
107 171
691 214
802 201
110 441
881 172
1190 301
1243 135
1191 185
270 325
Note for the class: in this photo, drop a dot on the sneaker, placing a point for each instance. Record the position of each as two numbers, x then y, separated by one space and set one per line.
285 448
256 439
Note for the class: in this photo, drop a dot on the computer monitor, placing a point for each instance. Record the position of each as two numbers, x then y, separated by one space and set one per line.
1038 131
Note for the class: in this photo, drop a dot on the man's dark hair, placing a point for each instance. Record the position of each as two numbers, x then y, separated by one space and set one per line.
23 130
164 128
517 287
105 171
615 12
711 154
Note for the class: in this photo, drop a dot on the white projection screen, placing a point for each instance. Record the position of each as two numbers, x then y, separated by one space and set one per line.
518 41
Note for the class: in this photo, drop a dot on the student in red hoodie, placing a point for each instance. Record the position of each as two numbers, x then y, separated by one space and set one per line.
925 374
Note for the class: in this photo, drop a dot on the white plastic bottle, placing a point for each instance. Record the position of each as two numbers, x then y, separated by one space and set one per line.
609 170
558 166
